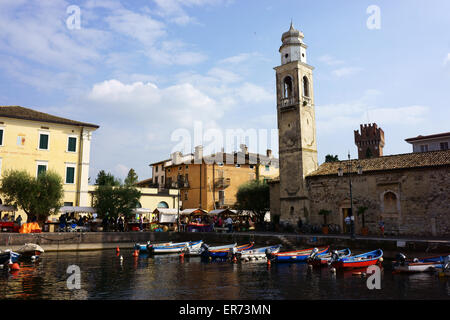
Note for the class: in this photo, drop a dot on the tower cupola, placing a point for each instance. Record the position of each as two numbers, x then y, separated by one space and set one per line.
293 47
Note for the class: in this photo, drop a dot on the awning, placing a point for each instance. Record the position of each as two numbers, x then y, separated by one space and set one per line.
7 208
142 210
193 211
167 218
77 209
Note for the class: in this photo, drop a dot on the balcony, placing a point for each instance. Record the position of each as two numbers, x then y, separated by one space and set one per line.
288 103
222 183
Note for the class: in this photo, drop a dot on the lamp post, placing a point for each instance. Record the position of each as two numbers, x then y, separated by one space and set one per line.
349 172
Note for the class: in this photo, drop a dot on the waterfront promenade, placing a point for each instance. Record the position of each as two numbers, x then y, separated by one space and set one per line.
81 241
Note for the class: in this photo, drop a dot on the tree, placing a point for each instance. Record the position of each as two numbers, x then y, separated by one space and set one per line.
131 178
331 158
111 200
37 197
106 179
255 197
362 211
324 213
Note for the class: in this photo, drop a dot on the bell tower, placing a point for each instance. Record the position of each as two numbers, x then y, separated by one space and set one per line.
296 126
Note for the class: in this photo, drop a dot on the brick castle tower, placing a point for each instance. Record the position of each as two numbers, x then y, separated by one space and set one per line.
370 141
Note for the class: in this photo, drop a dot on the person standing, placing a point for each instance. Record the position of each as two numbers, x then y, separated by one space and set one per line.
381 224
229 223
348 222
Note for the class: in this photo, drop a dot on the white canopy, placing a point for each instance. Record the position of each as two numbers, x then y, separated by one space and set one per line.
7 208
190 211
77 209
142 210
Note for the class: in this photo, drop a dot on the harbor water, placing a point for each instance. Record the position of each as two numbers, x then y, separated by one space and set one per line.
103 275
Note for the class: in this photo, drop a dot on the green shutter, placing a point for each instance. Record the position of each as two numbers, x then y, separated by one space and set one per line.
1 137
41 169
72 144
43 141
70 175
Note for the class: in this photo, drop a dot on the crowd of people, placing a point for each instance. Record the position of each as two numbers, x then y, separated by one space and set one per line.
236 223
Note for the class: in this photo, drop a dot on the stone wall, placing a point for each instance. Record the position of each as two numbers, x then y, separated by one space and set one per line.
410 202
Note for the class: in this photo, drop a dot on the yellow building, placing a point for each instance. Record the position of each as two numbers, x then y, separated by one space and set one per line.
35 141
211 182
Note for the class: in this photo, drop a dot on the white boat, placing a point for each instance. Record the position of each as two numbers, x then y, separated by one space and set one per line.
418 265
30 250
257 253
196 251
175 247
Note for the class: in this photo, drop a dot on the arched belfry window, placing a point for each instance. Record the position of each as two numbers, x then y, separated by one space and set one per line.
305 86
287 87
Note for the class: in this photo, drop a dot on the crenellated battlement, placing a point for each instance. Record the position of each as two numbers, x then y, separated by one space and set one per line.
370 141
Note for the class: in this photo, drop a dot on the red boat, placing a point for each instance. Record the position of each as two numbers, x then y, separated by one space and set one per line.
359 261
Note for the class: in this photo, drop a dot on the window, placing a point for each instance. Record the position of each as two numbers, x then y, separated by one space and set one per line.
424 148
156 179
21 140
1 161
41 167
163 204
390 202
287 87
267 168
68 204
238 165
252 166
72 144
43 141
444 145
1 137
70 174
185 196
305 86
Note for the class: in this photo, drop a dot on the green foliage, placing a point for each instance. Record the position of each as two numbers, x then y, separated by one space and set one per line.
324 213
112 200
38 197
106 179
255 197
331 158
131 178
362 211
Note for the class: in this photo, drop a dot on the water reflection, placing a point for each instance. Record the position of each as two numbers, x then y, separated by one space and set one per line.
105 276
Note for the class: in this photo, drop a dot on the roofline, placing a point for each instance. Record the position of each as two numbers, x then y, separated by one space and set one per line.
431 136
80 124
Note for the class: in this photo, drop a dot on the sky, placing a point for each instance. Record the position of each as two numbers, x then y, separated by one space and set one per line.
152 73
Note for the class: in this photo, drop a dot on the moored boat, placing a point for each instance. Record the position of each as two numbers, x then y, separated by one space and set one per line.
143 248
225 253
8 256
326 258
359 261
257 253
296 256
30 250
197 252
428 264
175 247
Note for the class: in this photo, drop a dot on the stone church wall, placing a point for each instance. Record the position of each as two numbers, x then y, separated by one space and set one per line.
410 202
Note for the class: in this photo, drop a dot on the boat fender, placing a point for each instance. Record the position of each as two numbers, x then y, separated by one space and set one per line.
415 260
14 267
333 270
381 259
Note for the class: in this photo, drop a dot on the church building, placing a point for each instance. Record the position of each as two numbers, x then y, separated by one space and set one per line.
408 192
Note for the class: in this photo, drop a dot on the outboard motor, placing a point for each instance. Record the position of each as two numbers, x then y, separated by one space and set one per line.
334 257
204 247
268 254
446 264
400 259
313 254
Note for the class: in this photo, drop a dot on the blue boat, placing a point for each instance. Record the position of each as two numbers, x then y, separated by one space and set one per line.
225 253
327 258
296 256
419 265
8 256
143 248
359 261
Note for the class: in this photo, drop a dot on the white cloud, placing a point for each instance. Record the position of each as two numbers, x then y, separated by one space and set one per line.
330 60
346 71
447 59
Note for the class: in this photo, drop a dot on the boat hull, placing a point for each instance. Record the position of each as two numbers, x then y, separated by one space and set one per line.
258 253
296 256
359 261
175 248
225 253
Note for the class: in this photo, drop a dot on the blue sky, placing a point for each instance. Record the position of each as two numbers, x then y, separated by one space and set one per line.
144 69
